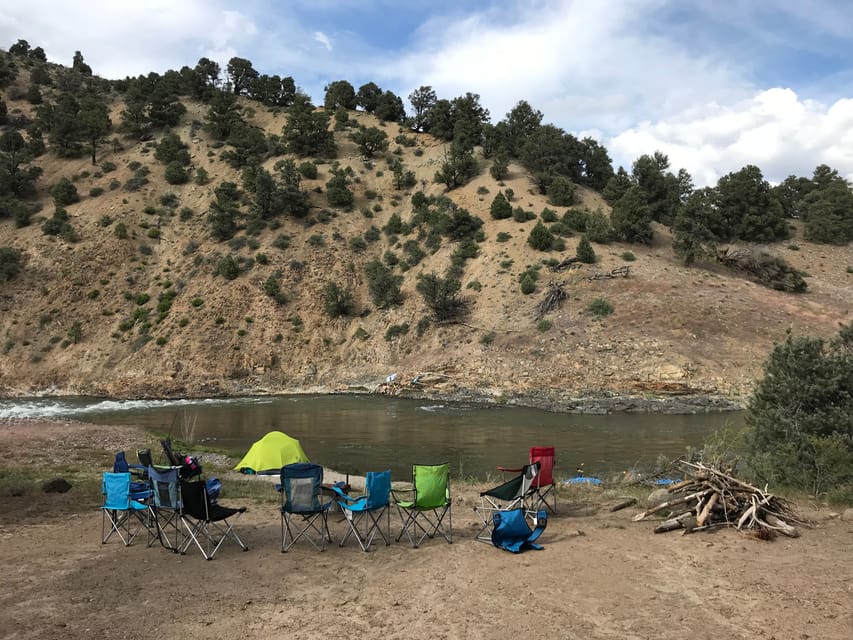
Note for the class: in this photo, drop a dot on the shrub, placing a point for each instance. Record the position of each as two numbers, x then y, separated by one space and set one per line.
196 302
337 300
383 285
503 237
175 173
628 256
64 193
201 176
541 238
396 330
120 231
600 308
487 338
598 227
799 425
548 215
308 170
442 297
500 208
282 241
228 268
585 252
561 192
11 262
94 192
543 325
528 283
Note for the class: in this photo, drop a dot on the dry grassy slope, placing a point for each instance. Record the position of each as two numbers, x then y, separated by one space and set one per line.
673 328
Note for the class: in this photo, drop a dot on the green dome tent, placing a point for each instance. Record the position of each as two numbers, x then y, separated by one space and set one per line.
269 454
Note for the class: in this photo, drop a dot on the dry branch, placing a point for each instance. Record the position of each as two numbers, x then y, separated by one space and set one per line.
714 498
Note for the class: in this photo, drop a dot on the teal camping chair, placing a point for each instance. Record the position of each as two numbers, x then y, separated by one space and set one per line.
120 509
512 532
368 509
427 504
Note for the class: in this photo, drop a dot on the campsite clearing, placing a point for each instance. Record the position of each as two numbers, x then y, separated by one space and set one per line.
599 575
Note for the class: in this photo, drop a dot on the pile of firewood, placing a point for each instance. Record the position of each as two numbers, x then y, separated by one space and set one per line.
708 498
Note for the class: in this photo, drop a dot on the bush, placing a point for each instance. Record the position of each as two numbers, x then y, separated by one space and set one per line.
396 330
600 308
176 173
585 252
383 285
308 170
337 300
598 228
628 256
94 192
11 262
442 297
501 208
64 193
561 192
528 283
541 238
228 268
799 425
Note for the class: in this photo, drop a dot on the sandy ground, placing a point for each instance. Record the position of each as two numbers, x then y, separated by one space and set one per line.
599 575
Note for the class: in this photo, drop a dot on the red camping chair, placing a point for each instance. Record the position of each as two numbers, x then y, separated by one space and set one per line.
543 484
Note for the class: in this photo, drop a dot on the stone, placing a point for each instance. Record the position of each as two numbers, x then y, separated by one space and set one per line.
57 485
658 496
847 515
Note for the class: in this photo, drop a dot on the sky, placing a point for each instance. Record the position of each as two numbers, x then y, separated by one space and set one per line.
714 85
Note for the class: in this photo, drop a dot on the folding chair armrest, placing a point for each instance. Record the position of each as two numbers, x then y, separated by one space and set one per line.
511 469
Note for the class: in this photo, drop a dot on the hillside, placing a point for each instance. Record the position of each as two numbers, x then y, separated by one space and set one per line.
674 331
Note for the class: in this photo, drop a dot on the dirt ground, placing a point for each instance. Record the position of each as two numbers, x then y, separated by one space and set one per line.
599 575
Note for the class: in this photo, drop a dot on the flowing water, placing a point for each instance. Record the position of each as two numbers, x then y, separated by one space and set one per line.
355 434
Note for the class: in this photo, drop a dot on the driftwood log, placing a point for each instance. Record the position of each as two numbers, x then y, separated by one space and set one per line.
708 498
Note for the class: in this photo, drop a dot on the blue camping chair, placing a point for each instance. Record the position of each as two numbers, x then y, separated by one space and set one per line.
139 489
165 507
120 509
368 509
512 532
303 511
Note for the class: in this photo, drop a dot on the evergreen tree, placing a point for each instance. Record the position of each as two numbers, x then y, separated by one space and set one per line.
748 208
501 209
617 186
585 253
307 131
631 217
800 416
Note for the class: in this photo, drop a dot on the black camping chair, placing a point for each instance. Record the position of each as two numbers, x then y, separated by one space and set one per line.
517 493
206 523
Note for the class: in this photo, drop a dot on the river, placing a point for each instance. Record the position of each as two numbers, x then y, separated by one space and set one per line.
354 434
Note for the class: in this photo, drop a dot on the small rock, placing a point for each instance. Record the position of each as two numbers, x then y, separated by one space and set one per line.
847 515
577 533
658 496
57 485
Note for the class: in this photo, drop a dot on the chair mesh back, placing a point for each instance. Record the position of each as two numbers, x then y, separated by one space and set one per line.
432 484
378 487
194 497
545 457
165 487
301 482
116 489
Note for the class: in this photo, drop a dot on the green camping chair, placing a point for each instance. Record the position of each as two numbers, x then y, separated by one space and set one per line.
426 505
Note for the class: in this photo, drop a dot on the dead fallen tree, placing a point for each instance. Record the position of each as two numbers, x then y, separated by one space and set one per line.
567 264
554 296
619 272
709 498
769 270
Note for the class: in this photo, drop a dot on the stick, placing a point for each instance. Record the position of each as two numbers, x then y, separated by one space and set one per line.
670 503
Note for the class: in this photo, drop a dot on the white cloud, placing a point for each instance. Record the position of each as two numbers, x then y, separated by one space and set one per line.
323 39
775 130
583 64
130 38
